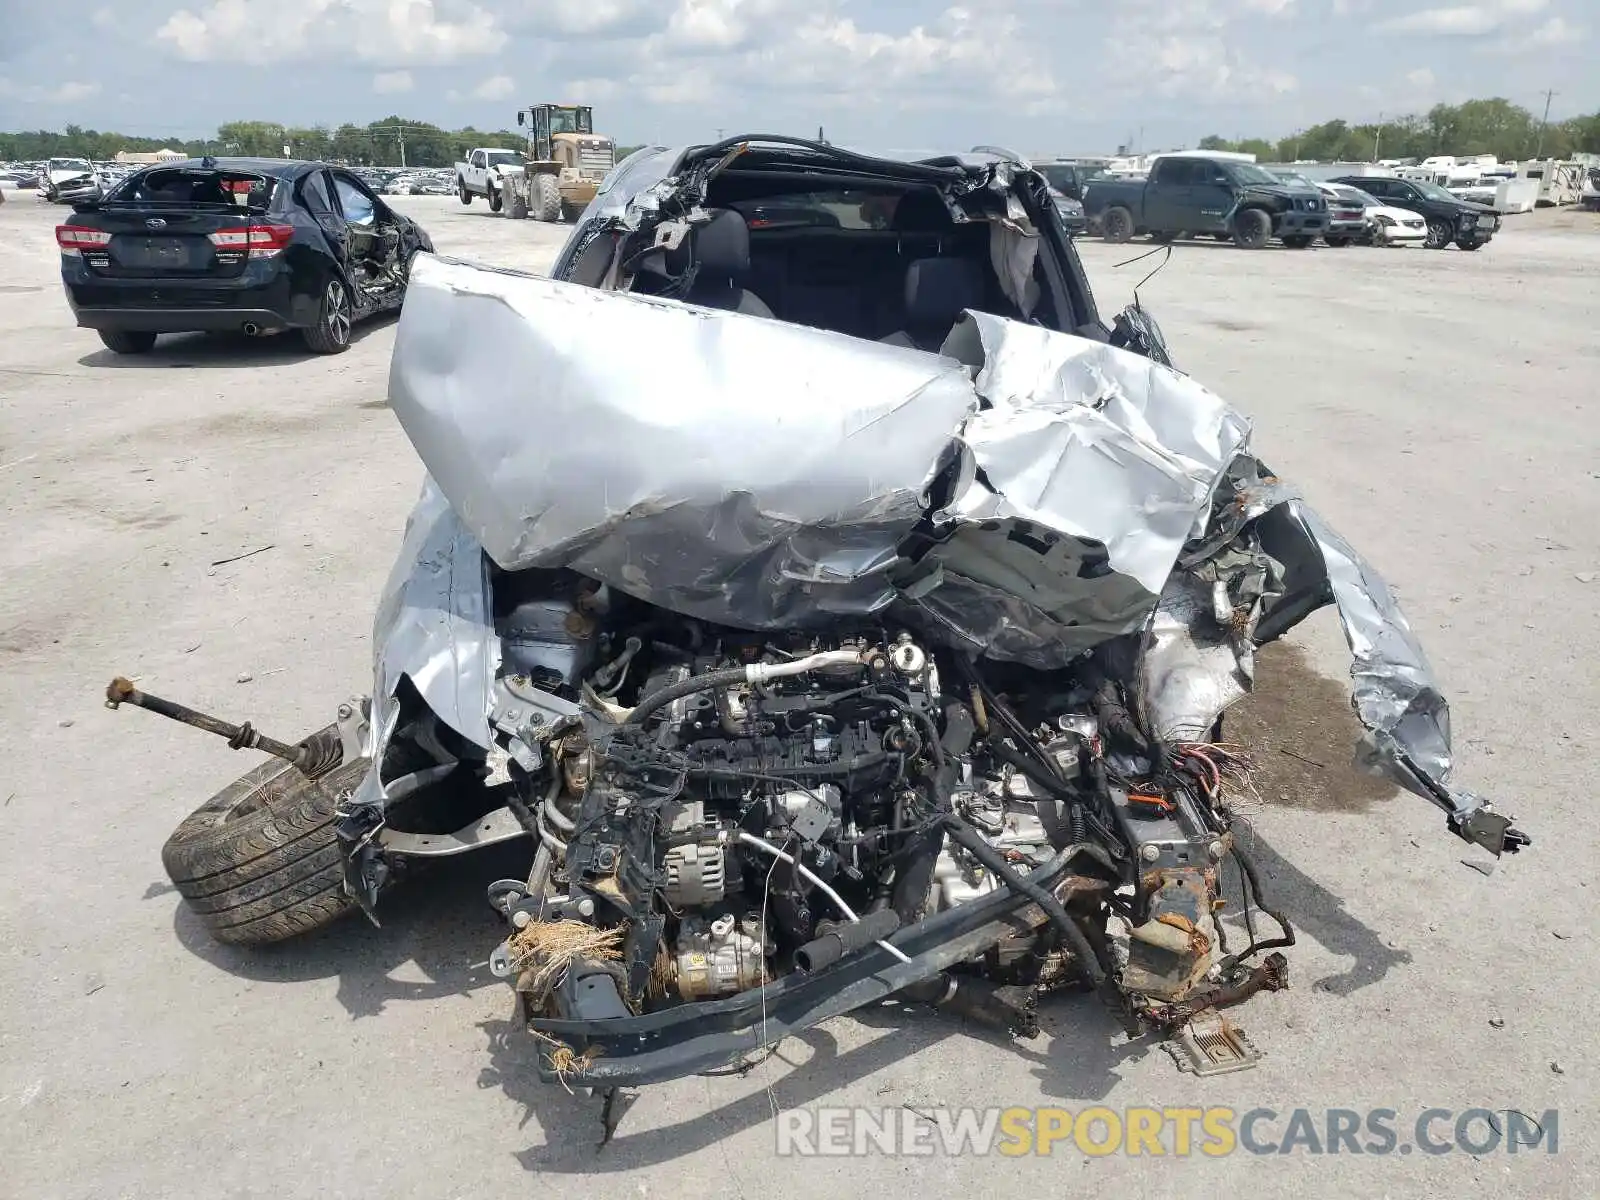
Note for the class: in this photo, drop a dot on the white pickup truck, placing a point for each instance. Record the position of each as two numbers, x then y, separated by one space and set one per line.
480 175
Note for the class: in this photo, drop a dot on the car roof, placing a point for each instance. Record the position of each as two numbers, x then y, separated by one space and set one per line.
649 165
281 168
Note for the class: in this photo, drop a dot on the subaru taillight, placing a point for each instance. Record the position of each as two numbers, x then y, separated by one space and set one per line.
259 241
75 239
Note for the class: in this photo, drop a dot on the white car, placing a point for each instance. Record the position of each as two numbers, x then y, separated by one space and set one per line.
1390 226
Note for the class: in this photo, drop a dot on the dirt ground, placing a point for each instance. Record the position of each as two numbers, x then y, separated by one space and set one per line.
1439 408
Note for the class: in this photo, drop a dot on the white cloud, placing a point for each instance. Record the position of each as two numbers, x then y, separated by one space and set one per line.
67 92
103 18
1420 78
1554 32
1471 20
388 83
1193 50
729 52
385 31
579 17
496 87
71 92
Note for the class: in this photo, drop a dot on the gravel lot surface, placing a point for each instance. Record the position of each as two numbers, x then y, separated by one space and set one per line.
1439 408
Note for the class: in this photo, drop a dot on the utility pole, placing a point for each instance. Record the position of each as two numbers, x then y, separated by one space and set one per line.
1545 120
1377 135
401 131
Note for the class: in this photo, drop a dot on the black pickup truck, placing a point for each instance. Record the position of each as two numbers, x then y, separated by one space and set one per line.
1197 195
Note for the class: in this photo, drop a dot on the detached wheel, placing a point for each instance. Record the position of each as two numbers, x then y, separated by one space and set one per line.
331 333
1116 225
260 862
1252 229
127 341
1466 245
1297 241
1438 234
1338 243
461 190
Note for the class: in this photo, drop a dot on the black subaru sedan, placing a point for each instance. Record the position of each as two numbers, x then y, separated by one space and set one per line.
235 244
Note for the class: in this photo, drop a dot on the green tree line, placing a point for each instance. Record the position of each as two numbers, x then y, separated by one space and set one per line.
380 143
1495 126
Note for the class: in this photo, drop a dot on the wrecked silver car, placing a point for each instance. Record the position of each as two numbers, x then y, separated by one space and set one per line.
837 608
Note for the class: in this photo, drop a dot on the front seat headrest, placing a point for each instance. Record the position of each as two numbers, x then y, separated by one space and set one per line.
939 289
720 247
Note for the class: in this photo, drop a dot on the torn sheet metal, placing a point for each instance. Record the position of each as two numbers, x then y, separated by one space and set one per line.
1093 467
1194 664
435 625
742 470
1394 693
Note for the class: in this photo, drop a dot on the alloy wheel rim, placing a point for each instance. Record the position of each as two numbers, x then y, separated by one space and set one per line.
338 314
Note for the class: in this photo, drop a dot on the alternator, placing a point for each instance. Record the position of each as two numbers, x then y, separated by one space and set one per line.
697 875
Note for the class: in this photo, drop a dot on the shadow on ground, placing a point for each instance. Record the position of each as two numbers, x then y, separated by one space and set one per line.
188 351
437 919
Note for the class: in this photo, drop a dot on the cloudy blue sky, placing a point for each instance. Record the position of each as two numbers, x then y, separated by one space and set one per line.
1041 75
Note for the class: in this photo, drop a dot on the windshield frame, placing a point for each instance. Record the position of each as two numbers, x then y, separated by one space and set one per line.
70 164
1430 190
1238 172
495 158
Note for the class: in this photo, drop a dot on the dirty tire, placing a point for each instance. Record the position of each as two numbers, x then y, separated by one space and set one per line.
546 198
461 190
259 861
127 341
1338 243
1297 241
1438 234
496 201
335 317
571 212
1252 229
1116 225
517 208
1465 245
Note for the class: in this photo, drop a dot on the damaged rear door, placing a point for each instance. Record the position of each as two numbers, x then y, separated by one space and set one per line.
315 192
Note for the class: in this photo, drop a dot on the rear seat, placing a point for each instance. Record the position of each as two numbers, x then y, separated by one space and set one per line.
937 291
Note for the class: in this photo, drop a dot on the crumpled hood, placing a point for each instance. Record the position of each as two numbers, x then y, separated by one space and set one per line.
1025 496
1281 191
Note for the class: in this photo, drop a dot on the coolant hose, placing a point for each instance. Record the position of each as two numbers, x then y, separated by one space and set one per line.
730 676
658 700
816 881
846 937
971 840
